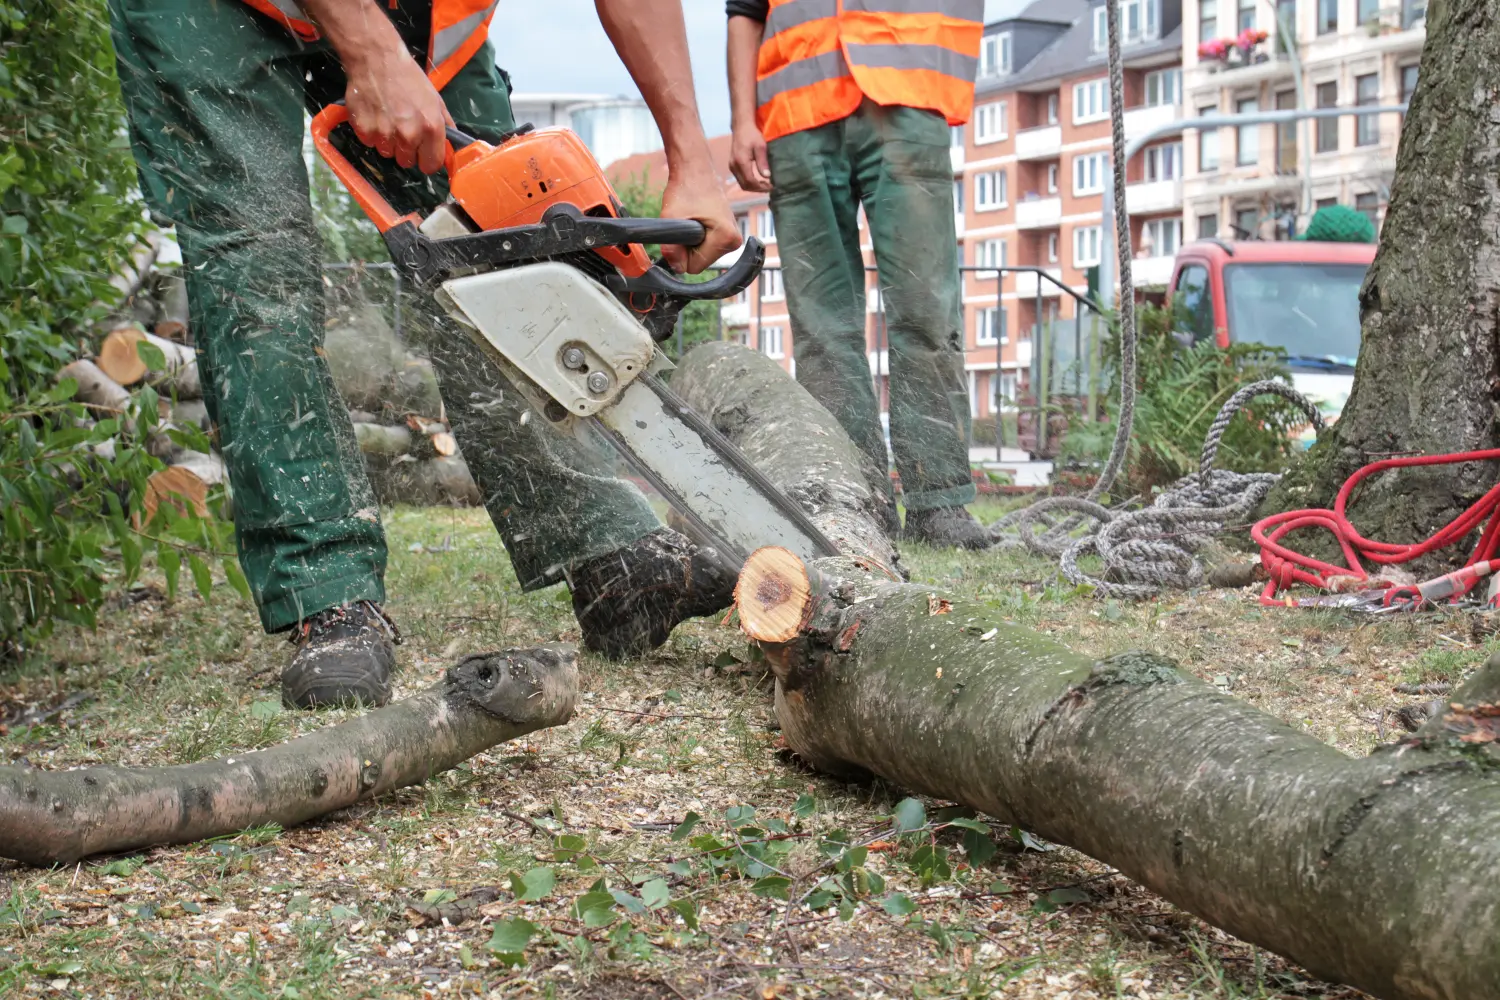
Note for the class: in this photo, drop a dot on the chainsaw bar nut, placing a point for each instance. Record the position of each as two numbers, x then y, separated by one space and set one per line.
598 383
573 359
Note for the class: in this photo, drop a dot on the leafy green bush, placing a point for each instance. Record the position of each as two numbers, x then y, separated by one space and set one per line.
1179 392
70 216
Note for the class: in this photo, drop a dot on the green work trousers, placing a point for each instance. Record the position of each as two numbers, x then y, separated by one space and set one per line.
216 95
894 161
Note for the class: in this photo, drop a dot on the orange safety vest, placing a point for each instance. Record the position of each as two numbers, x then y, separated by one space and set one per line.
820 58
459 28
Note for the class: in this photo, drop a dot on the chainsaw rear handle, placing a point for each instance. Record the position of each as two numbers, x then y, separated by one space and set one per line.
662 280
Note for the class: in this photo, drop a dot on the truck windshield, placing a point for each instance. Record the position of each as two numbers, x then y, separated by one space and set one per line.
1309 310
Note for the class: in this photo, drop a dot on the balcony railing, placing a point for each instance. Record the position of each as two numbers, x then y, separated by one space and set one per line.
1153 196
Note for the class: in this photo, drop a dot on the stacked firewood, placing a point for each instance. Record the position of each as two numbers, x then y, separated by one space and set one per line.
399 423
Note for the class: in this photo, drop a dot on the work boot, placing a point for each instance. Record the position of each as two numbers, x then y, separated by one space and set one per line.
628 602
946 527
344 656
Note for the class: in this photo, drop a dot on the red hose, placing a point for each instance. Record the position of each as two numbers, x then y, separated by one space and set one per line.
1288 567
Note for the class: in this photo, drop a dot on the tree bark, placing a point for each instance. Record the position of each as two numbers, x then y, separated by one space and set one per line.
50 818
1374 872
1429 365
100 393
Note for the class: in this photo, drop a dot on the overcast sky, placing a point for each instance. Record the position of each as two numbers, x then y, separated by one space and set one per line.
558 46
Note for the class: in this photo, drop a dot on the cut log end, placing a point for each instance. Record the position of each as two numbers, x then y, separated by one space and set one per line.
118 357
187 480
772 594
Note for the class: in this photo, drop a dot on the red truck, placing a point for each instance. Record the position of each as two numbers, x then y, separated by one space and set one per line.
1298 295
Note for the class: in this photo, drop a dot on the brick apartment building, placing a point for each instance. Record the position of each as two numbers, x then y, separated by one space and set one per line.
1030 167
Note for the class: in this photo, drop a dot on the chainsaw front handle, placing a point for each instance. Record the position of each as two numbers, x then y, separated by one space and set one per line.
364 193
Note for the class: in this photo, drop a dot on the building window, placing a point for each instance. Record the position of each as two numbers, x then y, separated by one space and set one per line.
1208 226
1052 248
743 222
1165 236
1164 162
1246 222
1138 23
1245 16
1367 94
1088 173
958 198
1412 12
989 122
765 226
989 191
1368 204
770 284
1286 135
1208 143
956 136
1322 203
1328 16
1090 101
1247 137
771 342
1408 83
1052 178
1369 10
989 327
994 55
989 253
1164 86
1208 20
1052 108
1328 128
1086 246
1286 22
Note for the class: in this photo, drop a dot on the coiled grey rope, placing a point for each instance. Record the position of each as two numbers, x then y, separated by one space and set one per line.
1143 550
1147 550
1037 526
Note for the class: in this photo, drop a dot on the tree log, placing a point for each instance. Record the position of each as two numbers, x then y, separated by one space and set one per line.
172 306
121 361
100 393
373 370
437 482
1430 334
383 441
188 479
1374 872
50 818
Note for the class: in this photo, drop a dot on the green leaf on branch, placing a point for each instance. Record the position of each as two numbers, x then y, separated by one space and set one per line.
534 885
805 806
772 887
686 826
509 939
202 578
150 355
910 814
595 908
655 894
898 904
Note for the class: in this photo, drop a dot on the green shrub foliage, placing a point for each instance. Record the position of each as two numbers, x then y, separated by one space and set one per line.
1180 390
70 216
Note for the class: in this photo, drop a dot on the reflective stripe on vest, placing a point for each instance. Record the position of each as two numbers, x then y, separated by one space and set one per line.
459 29
965 10
820 58
454 44
290 15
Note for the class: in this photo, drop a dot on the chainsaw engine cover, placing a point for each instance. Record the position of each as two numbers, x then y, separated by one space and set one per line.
560 329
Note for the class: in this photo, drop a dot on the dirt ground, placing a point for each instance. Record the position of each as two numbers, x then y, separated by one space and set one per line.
558 866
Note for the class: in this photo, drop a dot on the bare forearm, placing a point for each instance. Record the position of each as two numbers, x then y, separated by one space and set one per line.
651 39
358 30
744 51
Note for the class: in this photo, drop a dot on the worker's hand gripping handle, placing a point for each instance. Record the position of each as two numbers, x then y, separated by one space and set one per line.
364 193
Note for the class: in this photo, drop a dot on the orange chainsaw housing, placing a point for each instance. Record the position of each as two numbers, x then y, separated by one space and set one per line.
514 183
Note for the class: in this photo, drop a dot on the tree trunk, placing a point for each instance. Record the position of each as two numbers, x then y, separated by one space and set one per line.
1374 872
1429 363
57 817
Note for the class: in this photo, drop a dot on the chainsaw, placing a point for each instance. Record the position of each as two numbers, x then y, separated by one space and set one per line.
534 257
